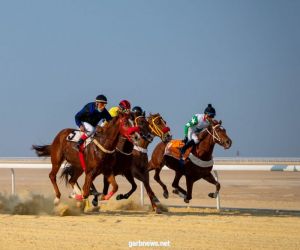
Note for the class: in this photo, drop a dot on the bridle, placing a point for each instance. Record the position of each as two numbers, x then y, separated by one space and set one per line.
149 137
157 130
215 135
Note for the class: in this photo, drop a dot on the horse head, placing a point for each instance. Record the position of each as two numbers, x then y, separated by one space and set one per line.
159 127
145 130
219 135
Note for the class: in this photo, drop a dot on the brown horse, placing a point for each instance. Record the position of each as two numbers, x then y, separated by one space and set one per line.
98 155
137 167
198 165
132 161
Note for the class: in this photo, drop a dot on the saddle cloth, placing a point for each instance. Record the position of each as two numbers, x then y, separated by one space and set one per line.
173 149
75 136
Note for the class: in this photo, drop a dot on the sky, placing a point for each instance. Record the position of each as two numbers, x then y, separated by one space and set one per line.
167 56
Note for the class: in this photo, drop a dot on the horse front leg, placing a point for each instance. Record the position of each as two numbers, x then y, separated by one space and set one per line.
130 178
158 180
143 176
211 179
153 199
112 181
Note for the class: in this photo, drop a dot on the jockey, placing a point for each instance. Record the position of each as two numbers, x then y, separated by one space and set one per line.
137 111
123 108
89 116
195 126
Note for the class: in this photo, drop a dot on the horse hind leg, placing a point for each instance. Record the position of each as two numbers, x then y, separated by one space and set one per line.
130 178
177 189
158 180
211 179
52 176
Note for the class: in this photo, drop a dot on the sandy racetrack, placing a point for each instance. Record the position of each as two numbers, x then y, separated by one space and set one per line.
182 228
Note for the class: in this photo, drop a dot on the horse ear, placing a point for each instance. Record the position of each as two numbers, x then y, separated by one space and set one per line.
220 122
144 113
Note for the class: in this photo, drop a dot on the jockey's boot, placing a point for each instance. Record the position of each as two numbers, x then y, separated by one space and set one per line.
189 144
79 144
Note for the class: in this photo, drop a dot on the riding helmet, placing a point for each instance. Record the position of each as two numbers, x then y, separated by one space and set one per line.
124 104
210 111
101 98
137 110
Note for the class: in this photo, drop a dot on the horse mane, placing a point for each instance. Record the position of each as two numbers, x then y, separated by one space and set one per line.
151 115
108 125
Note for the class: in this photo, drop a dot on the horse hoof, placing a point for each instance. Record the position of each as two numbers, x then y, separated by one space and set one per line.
157 210
79 204
95 202
56 201
186 200
166 195
213 195
120 197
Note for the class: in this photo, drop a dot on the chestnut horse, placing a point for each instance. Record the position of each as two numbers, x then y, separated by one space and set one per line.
98 155
201 154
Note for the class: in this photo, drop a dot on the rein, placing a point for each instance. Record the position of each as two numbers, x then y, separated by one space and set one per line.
102 148
122 152
140 149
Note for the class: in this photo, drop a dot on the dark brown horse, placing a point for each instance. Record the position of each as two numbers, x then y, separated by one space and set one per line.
137 167
98 155
198 165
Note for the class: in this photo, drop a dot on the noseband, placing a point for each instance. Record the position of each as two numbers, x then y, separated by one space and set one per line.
155 129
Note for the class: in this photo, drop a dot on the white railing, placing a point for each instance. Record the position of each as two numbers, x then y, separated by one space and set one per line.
221 164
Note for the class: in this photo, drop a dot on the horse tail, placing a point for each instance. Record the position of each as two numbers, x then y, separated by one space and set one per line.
44 150
66 173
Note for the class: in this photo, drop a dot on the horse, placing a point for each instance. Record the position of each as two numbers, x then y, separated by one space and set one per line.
98 155
132 161
197 165
138 166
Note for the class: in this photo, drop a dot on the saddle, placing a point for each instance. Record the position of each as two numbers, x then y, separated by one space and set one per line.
75 135
173 149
